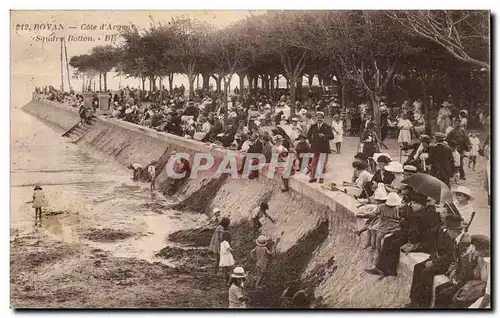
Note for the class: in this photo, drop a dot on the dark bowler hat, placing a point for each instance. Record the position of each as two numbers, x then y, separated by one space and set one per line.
301 136
383 159
361 156
425 138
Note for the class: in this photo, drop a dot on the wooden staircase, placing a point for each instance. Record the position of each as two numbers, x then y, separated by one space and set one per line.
79 130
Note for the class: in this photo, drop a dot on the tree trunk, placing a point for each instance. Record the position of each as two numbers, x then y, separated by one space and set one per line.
170 82
250 88
191 78
278 81
293 85
161 91
299 88
427 116
219 83
143 83
105 81
242 85
256 82
272 85
100 82
265 84
310 79
288 84
206 80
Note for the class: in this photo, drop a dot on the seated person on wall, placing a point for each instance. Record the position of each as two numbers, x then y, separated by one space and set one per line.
414 159
424 224
437 264
380 176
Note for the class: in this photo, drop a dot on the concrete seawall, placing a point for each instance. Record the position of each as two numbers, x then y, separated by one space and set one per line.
297 212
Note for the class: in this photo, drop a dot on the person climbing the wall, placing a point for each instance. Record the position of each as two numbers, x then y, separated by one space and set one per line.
38 203
257 214
261 253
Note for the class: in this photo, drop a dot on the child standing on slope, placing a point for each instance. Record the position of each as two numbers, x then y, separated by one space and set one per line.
226 257
261 253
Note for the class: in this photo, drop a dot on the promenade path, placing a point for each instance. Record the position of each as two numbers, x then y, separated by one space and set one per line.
340 169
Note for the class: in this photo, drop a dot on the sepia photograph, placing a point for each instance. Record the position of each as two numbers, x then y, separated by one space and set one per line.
250 159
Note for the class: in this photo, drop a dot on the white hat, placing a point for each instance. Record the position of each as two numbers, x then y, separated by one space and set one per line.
216 210
239 272
257 123
295 119
380 193
320 114
424 156
261 240
464 190
393 199
395 167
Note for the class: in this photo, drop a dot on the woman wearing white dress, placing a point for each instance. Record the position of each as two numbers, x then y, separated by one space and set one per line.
404 126
338 132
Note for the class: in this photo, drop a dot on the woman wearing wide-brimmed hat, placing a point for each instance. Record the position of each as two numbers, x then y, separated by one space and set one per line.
237 298
463 196
444 117
38 203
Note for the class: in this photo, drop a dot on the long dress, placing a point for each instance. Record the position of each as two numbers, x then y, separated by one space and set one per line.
404 126
444 119
338 131
226 258
216 238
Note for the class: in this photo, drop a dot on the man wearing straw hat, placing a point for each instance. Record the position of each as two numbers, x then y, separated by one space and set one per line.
319 135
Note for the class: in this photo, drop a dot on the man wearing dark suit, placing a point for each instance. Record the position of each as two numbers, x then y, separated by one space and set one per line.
417 150
256 147
319 136
459 135
441 159
438 262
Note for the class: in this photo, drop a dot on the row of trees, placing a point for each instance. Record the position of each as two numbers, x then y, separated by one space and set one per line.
368 53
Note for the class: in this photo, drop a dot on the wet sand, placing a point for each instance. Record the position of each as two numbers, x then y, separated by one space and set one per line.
100 233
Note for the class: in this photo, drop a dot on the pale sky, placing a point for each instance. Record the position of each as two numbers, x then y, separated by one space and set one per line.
35 63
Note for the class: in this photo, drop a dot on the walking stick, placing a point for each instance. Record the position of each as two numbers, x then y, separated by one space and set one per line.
470 222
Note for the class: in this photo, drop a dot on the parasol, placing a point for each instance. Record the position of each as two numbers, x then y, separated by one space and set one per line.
430 186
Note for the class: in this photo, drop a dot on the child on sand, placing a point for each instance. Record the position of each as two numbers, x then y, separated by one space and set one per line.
38 202
226 258
261 253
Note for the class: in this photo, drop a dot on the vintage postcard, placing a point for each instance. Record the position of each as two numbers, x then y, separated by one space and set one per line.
250 159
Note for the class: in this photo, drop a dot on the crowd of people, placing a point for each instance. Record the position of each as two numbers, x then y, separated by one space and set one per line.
401 216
